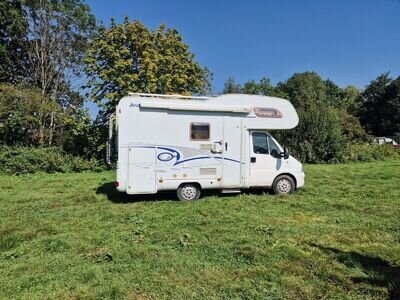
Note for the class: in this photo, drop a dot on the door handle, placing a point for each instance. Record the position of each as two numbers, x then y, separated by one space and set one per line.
252 159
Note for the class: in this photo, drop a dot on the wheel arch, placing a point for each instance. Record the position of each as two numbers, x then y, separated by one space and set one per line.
196 184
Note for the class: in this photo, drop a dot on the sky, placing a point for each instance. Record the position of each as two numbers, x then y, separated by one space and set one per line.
347 41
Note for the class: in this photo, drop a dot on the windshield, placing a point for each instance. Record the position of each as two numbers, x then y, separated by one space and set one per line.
274 148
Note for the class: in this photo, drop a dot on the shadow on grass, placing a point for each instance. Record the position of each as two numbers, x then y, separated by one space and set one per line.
114 196
380 272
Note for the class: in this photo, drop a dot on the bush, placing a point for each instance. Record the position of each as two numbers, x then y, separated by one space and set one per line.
318 137
24 160
366 152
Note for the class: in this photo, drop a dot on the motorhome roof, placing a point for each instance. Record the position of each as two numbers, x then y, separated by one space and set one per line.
174 96
265 111
236 103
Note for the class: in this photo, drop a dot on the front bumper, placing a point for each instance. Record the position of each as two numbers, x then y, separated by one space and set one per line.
300 179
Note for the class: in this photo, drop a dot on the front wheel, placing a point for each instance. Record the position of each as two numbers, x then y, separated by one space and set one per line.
188 192
283 185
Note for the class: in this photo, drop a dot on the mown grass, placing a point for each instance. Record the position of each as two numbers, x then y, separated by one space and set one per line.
72 236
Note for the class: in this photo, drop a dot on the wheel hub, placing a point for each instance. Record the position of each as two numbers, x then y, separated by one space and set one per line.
284 186
189 192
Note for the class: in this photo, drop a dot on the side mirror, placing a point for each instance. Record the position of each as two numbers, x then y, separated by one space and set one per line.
285 153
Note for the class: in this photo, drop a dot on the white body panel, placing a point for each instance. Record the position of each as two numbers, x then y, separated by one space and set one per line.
156 150
142 174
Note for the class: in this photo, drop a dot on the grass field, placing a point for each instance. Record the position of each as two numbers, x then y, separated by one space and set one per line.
72 236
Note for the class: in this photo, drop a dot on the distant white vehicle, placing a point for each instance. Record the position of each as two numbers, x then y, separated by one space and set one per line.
189 144
385 141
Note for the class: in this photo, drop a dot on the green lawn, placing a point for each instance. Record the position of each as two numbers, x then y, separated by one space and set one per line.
72 236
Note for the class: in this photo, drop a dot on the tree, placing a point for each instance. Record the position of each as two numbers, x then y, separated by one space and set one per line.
318 137
251 87
345 99
129 57
325 127
25 115
304 89
231 87
12 41
58 32
380 106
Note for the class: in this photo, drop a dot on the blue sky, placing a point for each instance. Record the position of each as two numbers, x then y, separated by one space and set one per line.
348 41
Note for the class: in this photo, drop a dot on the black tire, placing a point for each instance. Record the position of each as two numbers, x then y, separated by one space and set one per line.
188 192
283 185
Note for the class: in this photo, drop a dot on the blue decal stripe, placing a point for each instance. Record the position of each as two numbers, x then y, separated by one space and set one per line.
178 156
230 159
189 159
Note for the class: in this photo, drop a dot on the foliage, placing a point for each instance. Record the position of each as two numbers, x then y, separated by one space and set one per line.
262 87
317 138
327 124
380 106
343 99
336 238
351 128
231 87
325 128
366 152
24 160
129 57
85 137
43 49
25 115
305 90
58 34
13 29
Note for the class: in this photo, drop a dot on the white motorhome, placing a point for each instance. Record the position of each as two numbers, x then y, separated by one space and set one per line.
189 144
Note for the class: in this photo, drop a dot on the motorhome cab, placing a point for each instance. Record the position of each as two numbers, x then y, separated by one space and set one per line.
189 144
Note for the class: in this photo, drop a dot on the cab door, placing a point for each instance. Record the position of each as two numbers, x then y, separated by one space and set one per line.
264 163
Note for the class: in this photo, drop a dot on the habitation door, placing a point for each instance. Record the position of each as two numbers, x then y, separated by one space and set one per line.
232 152
142 171
264 159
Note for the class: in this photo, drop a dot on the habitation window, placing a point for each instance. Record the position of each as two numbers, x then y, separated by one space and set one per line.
200 131
267 112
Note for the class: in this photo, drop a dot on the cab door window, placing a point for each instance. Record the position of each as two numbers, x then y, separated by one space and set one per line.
260 144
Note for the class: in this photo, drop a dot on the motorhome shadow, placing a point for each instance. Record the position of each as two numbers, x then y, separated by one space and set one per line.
191 144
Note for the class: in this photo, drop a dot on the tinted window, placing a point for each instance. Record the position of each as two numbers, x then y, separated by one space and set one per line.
273 148
260 145
200 131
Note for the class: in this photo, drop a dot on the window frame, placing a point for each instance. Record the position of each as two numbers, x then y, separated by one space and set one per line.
199 123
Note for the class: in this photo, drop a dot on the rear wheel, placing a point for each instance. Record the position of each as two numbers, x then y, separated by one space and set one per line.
188 192
283 184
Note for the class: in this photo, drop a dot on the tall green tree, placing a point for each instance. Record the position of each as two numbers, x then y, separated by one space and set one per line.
380 106
58 31
13 30
129 57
